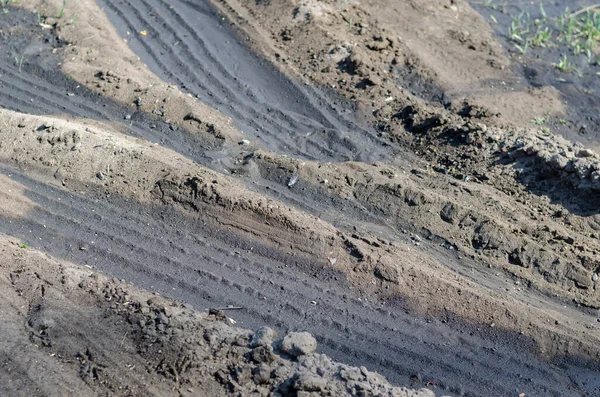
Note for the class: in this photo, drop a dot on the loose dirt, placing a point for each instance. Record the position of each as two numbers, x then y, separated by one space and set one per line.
329 167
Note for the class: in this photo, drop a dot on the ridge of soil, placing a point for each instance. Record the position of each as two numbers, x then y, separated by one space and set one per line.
467 224
76 332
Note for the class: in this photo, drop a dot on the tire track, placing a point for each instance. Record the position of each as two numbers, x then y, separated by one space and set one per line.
25 92
198 264
285 113
182 69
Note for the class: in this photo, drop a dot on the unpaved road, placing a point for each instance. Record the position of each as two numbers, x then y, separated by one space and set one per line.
306 208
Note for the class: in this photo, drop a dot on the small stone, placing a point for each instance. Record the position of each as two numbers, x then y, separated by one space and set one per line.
244 142
262 337
595 277
100 175
298 343
127 117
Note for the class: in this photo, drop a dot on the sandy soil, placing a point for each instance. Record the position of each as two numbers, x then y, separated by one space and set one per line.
339 170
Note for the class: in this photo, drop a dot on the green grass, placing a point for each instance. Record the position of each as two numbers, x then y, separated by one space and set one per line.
4 4
564 65
538 120
61 12
19 61
578 31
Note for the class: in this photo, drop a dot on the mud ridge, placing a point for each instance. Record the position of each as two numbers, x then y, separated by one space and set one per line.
220 281
142 212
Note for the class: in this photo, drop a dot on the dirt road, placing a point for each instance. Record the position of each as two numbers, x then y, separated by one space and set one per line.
260 156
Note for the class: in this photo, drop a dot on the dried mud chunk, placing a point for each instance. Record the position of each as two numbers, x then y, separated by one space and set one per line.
449 213
487 236
380 43
298 343
388 273
309 382
263 336
585 153
261 374
582 167
242 374
264 354
581 278
521 257
370 81
354 64
558 162
414 198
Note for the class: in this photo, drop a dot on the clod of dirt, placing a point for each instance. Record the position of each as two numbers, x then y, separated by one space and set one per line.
264 336
298 343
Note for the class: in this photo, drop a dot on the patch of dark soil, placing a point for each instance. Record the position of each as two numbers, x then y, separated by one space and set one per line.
538 67
413 80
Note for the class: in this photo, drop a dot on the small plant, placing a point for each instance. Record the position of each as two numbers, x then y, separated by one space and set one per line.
538 120
542 38
19 62
566 66
579 31
4 4
61 12
523 49
24 245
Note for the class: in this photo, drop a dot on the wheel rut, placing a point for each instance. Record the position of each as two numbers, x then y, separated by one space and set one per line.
190 260
181 46
200 261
